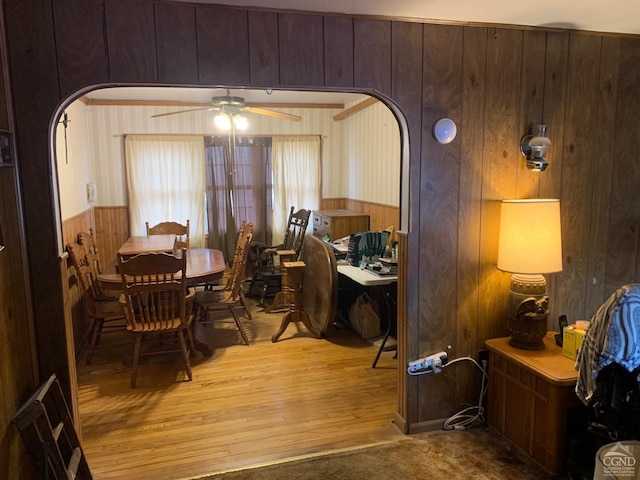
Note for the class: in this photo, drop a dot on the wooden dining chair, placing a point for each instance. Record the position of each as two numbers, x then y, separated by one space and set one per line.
155 300
88 242
180 231
266 269
231 296
105 312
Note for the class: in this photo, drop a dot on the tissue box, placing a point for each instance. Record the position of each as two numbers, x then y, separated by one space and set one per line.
571 341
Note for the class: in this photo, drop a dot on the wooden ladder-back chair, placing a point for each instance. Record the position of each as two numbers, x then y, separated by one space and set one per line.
106 312
267 275
155 300
180 231
232 296
47 430
88 242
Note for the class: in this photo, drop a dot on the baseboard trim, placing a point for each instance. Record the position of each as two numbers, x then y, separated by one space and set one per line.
428 426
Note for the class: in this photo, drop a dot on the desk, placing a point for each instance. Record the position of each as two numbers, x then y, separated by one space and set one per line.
147 244
370 279
204 265
529 394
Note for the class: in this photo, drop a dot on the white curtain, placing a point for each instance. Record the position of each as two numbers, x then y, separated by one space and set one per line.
166 182
296 178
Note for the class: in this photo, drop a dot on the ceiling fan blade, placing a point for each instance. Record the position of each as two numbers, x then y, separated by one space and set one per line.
272 113
183 111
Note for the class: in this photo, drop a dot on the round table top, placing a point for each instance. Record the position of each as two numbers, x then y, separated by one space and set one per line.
203 265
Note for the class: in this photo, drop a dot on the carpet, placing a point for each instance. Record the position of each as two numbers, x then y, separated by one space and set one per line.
476 453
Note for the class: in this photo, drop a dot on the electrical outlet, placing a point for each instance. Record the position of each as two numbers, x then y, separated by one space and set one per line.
431 364
483 355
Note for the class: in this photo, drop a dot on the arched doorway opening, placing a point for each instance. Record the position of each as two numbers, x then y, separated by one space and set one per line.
114 137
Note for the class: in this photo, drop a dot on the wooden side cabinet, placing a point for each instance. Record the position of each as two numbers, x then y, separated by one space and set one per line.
339 223
529 394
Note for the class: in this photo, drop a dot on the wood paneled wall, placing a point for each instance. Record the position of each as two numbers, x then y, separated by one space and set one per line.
112 230
18 361
494 82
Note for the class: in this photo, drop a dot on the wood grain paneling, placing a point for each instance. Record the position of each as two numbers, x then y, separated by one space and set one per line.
500 157
176 43
80 62
578 167
112 230
623 256
406 87
18 374
30 30
131 24
405 414
470 207
439 192
263 48
372 40
554 109
606 162
577 108
74 225
223 45
531 101
338 51
301 42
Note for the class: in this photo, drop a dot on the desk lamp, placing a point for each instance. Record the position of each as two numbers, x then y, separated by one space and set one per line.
529 246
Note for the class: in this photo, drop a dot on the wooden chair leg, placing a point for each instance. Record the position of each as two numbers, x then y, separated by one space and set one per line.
185 354
96 329
243 302
136 358
239 325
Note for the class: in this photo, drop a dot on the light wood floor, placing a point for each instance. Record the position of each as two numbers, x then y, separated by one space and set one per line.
246 404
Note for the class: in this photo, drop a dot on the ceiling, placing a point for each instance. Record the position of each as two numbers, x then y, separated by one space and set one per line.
203 95
614 16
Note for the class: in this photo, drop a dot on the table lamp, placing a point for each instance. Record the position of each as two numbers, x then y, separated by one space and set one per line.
529 245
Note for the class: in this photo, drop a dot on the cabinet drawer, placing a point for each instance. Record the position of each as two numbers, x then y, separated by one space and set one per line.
320 231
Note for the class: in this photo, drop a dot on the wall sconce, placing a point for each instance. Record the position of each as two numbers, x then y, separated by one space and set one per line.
530 244
534 148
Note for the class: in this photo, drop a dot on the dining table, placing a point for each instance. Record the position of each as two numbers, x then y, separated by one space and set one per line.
204 265
135 245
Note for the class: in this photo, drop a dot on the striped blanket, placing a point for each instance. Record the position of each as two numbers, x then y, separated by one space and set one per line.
613 337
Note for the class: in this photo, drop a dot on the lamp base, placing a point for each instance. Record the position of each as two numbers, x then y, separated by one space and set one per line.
527 313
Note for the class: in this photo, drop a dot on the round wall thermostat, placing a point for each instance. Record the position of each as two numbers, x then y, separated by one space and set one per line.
444 130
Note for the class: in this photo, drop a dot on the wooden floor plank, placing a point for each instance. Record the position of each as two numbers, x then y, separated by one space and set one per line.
246 404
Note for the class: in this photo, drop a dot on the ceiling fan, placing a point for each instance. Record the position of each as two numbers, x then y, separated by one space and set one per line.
235 106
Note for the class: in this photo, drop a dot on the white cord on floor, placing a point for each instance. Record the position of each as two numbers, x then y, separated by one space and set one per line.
464 419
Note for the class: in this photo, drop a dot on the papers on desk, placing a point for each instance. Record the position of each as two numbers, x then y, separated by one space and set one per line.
341 244
383 267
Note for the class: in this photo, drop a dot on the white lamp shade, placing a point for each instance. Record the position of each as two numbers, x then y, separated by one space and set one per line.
530 239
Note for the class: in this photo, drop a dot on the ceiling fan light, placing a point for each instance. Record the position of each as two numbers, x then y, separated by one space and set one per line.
222 121
240 122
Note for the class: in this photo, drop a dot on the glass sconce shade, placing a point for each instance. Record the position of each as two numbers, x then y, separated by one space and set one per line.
534 147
